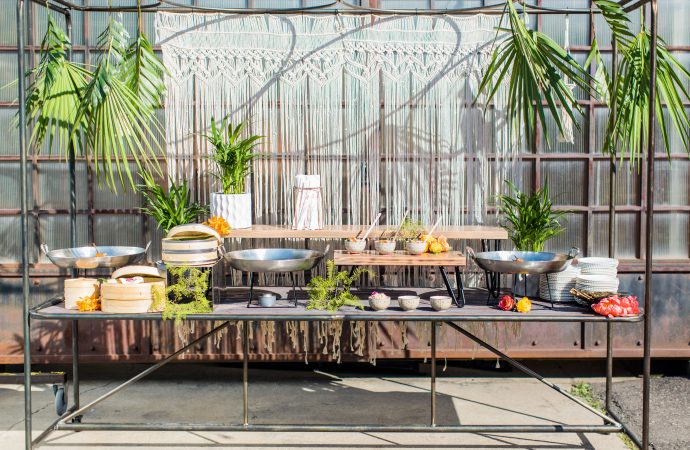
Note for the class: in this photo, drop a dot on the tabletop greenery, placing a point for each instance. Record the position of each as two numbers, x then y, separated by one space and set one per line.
332 291
171 208
232 154
529 218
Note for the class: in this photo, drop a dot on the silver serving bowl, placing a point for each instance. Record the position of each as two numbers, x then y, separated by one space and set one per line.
85 257
524 262
274 259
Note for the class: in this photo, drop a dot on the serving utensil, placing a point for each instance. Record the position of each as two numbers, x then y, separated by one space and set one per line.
371 227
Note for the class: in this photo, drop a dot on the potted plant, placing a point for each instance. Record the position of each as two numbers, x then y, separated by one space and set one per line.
171 208
529 218
530 221
232 155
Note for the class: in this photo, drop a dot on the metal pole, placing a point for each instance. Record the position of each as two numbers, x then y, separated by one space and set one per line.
73 237
646 364
245 371
24 223
612 220
433 373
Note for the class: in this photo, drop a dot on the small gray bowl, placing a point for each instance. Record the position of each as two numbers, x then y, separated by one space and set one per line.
355 247
385 246
440 302
379 304
415 247
408 302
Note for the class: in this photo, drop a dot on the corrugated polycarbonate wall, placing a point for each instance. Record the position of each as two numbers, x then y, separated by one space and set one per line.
577 173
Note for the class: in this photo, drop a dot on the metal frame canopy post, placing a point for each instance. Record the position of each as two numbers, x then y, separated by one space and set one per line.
65 7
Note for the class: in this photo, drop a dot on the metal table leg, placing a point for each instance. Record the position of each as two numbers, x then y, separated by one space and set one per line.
451 292
433 374
75 367
245 371
461 286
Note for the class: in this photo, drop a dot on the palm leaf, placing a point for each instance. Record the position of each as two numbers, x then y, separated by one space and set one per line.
143 73
535 68
55 93
119 123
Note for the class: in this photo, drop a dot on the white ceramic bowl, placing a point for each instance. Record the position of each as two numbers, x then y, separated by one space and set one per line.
440 302
408 302
379 303
357 246
415 247
385 246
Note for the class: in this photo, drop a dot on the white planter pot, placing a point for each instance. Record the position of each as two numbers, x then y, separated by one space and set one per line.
235 208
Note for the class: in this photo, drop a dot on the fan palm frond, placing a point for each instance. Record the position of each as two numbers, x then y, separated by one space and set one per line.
55 92
535 67
118 123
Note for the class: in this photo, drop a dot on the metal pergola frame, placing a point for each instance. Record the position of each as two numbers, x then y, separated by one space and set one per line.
66 7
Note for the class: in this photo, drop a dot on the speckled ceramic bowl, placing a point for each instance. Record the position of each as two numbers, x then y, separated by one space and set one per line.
357 246
385 246
440 302
408 302
415 247
380 302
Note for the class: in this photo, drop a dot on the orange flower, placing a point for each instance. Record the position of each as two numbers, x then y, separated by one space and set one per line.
524 305
89 303
219 224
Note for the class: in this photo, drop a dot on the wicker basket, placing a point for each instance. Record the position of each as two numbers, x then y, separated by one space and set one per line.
118 297
76 288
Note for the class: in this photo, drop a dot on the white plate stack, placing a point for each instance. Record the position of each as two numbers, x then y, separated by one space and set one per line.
596 283
598 266
597 275
560 284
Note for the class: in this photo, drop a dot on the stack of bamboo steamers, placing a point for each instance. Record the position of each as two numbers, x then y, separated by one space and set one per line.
191 245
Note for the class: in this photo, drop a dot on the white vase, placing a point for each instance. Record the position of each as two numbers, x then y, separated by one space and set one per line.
235 208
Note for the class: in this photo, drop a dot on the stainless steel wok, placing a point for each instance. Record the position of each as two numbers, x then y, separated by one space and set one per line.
523 262
85 257
274 259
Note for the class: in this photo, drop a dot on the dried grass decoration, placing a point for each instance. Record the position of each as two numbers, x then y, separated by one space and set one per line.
187 295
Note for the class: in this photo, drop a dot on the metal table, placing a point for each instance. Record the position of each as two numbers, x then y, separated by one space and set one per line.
474 310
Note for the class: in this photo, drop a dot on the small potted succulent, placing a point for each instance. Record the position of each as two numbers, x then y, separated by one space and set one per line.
232 155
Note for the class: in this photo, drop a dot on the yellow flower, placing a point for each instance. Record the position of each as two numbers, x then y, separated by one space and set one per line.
524 305
89 303
219 224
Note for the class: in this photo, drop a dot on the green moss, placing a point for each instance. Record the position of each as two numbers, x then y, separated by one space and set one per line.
332 292
186 296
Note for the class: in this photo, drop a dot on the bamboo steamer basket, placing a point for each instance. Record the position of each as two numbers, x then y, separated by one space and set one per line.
76 288
118 297
191 245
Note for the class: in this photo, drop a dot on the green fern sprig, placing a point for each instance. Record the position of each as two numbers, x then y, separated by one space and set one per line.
332 292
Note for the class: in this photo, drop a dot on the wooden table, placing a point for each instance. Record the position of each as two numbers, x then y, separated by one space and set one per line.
452 259
477 232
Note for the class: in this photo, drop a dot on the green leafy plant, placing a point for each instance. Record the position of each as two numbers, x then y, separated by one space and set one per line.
535 67
630 92
529 218
410 229
332 292
187 295
170 208
232 154
106 111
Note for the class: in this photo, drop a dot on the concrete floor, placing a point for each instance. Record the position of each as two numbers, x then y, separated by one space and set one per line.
208 393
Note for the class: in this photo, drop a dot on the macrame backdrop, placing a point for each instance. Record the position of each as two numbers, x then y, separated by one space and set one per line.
382 107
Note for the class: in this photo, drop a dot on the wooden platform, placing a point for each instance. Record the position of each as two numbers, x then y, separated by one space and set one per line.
348 231
399 258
